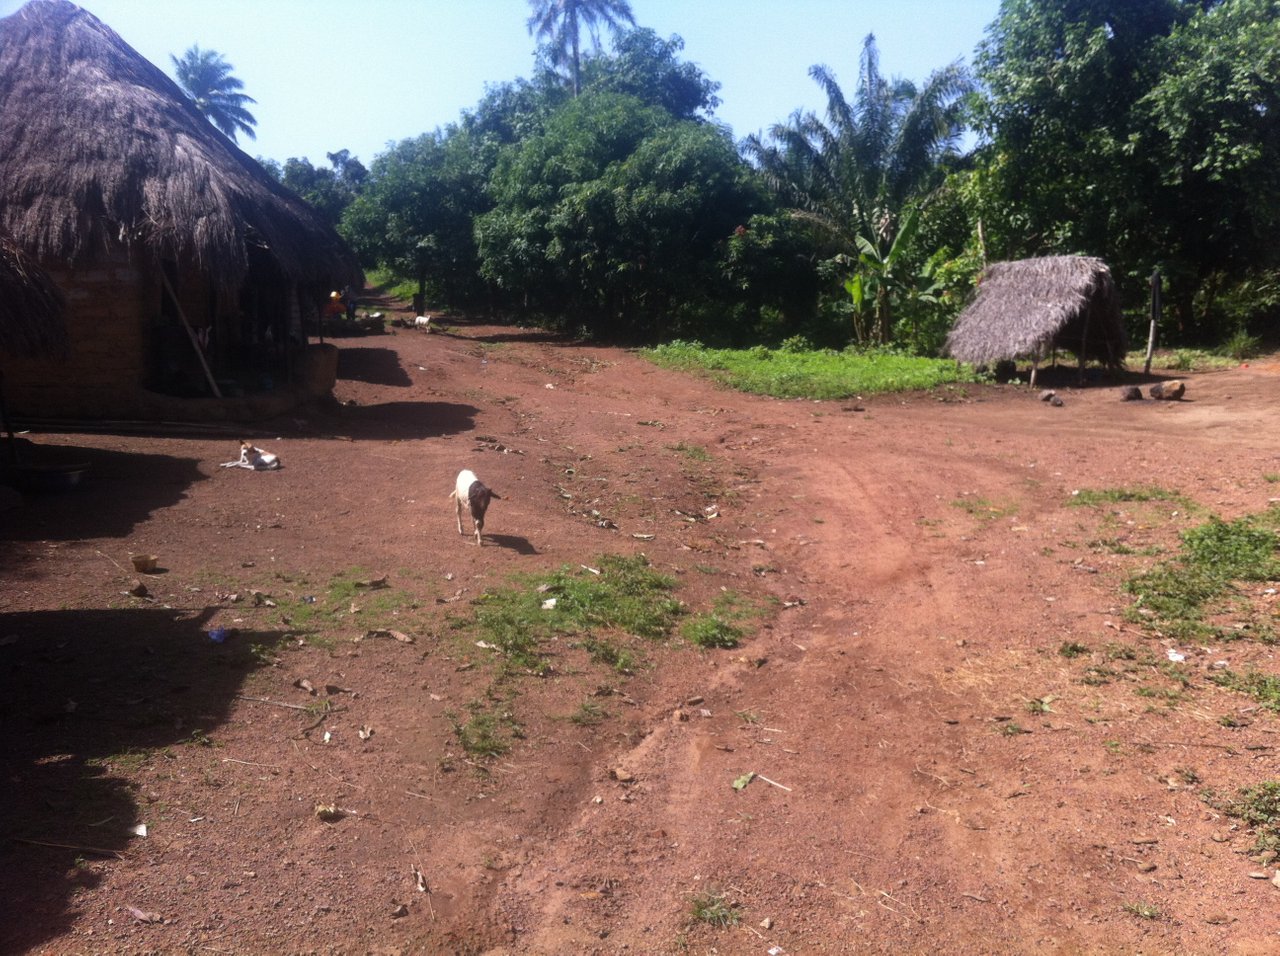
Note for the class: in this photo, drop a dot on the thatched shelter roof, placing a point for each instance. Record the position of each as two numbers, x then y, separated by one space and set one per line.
98 145
1025 308
31 307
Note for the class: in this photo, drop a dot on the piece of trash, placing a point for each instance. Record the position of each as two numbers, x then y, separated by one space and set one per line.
776 951
328 736
139 830
309 599
487 646
143 916
1174 655
548 385
217 634
419 880
144 563
304 684
400 910
741 782
592 570
261 599
643 537
548 604
364 733
329 812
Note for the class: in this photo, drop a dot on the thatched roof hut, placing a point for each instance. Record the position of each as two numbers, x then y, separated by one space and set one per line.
31 307
1028 308
166 239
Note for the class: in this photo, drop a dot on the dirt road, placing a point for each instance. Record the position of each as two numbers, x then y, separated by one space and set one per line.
932 773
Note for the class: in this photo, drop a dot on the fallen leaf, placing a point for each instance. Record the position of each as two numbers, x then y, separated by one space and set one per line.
143 916
329 812
303 684
741 782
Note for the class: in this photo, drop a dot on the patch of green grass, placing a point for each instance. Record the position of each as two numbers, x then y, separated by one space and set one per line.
713 908
1011 729
588 714
1264 688
1178 593
607 653
1257 806
711 631
1093 497
376 607
1144 910
695 452
1271 477
485 733
626 595
723 625
1071 649
982 508
820 373
1041 705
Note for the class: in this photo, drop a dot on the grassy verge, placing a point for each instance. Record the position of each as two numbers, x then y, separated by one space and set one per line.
810 374
1177 596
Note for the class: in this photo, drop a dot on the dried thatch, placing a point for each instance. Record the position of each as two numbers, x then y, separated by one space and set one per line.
31 307
97 145
1026 308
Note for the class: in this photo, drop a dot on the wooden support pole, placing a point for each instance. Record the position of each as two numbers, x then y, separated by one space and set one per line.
195 343
1155 318
1084 343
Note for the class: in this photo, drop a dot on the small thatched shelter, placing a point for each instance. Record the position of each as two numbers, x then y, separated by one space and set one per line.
1032 307
188 271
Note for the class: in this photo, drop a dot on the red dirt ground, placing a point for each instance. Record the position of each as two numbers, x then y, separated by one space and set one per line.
927 565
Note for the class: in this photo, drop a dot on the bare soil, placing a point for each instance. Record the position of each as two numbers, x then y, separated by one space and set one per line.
918 563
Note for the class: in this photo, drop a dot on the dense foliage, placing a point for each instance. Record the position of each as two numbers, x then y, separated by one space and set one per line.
600 195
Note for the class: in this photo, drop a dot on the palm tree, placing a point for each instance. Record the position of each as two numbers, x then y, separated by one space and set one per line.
856 176
560 22
205 76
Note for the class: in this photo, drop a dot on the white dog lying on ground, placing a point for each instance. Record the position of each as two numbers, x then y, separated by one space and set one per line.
253 458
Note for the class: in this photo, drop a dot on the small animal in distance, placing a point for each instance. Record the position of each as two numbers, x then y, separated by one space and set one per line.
476 495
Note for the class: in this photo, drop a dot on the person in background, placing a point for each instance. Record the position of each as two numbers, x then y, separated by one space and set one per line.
349 297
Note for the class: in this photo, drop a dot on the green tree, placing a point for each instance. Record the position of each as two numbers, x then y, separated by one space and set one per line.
648 68
855 176
415 211
559 24
330 190
1143 131
616 219
205 76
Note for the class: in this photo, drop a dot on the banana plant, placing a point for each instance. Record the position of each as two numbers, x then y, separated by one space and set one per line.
877 281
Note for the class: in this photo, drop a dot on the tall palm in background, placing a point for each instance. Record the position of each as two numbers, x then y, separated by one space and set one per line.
559 24
860 176
206 77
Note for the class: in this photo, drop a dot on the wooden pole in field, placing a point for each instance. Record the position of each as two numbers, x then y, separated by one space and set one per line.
1155 319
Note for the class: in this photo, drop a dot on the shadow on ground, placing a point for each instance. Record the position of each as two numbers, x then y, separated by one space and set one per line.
373 365
118 491
87 691
400 420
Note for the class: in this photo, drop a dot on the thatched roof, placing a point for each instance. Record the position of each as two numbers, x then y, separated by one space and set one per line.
97 144
31 323
1025 308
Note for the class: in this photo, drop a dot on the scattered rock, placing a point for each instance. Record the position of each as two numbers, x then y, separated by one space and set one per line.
1055 401
622 776
1259 875
1169 391
137 588
1131 393
399 910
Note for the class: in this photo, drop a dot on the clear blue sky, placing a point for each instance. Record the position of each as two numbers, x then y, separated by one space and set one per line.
359 74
